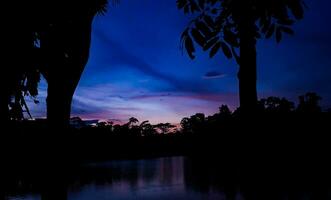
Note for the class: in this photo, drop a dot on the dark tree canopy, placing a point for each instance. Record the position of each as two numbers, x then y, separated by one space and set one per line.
217 23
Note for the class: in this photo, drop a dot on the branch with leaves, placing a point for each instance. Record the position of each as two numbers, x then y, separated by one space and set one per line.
217 24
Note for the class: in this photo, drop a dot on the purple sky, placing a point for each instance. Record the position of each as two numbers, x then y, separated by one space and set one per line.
137 69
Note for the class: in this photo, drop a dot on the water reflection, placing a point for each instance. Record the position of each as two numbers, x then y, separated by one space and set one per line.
141 178
162 178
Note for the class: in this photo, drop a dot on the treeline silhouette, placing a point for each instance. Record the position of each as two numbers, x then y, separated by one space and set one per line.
271 110
131 128
278 123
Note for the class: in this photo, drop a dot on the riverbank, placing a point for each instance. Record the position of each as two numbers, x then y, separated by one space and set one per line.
283 139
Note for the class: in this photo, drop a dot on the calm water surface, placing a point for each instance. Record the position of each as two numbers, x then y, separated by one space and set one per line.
161 178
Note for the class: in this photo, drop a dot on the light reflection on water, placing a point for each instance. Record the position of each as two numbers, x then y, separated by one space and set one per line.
161 178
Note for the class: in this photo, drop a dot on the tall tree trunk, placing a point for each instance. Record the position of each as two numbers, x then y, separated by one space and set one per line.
68 52
248 70
59 100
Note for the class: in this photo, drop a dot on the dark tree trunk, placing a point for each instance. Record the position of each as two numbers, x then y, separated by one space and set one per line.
59 100
248 67
68 52
61 88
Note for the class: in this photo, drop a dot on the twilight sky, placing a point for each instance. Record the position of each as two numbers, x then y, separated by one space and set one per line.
137 69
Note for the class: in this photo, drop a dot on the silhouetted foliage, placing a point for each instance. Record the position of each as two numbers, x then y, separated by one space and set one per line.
147 129
277 105
271 109
52 39
233 26
309 103
225 111
164 128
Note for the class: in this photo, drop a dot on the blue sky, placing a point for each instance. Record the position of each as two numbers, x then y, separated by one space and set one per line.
136 67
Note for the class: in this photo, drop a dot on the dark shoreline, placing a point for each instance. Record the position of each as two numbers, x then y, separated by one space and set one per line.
284 143
257 163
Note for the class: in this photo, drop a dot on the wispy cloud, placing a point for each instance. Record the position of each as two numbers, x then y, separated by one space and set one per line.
214 75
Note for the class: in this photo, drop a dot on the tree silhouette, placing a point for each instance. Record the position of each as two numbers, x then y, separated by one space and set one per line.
26 86
186 125
147 129
65 39
133 121
309 103
276 104
225 111
144 124
51 38
105 125
19 74
195 124
164 128
236 25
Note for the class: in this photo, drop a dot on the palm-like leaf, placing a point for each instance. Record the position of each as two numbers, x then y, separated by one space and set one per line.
101 5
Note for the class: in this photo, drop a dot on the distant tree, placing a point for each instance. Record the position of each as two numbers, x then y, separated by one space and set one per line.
194 124
199 118
132 127
234 26
309 103
105 125
198 122
164 128
276 104
133 121
147 129
144 123
78 123
225 111
186 125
